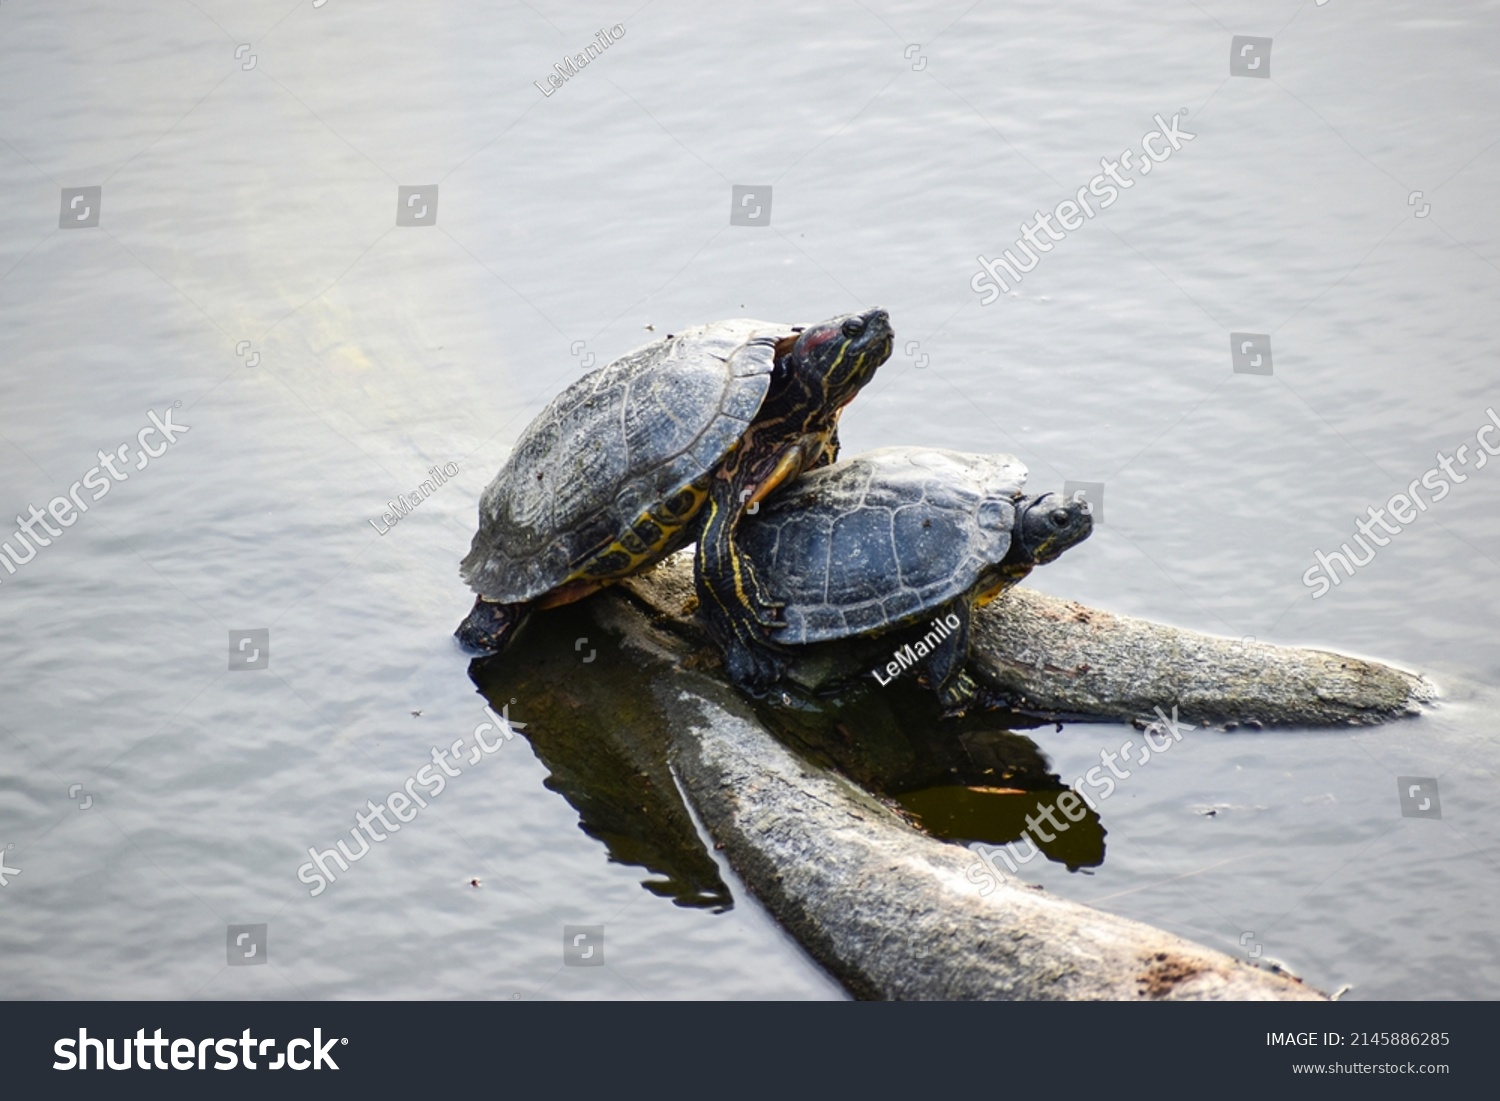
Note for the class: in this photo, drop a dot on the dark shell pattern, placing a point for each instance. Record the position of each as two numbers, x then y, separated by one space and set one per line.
615 445
881 539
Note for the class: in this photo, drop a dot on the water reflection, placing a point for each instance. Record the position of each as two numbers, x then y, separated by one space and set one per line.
975 778
593 720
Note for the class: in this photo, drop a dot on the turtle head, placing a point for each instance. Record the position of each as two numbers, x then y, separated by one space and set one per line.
832 360
1049 525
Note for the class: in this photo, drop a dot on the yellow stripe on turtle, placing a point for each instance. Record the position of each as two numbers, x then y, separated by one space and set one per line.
647 539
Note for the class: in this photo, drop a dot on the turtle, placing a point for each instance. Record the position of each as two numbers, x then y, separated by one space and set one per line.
616 472
898 537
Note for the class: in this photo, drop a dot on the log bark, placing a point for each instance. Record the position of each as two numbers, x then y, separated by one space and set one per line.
1055 657
891 912
894 914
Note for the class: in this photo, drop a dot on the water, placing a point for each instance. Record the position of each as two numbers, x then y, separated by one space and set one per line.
259 204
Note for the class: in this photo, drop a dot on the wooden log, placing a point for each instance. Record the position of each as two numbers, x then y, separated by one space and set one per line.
891 912
1050 656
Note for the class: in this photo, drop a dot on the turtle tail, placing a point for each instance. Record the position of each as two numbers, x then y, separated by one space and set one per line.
488 627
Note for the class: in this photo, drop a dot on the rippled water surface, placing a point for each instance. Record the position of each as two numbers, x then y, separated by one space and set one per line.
247 273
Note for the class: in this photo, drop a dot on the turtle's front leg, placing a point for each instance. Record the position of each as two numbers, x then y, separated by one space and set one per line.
944 672
728 588
736 608
752 663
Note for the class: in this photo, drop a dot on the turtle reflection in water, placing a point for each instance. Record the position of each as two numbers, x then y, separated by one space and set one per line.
897 537
669 443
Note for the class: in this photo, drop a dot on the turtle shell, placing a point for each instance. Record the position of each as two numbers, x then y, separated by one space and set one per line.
618 444
881 539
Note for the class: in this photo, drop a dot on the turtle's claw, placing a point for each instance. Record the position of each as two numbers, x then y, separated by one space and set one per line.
964 695
753 668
